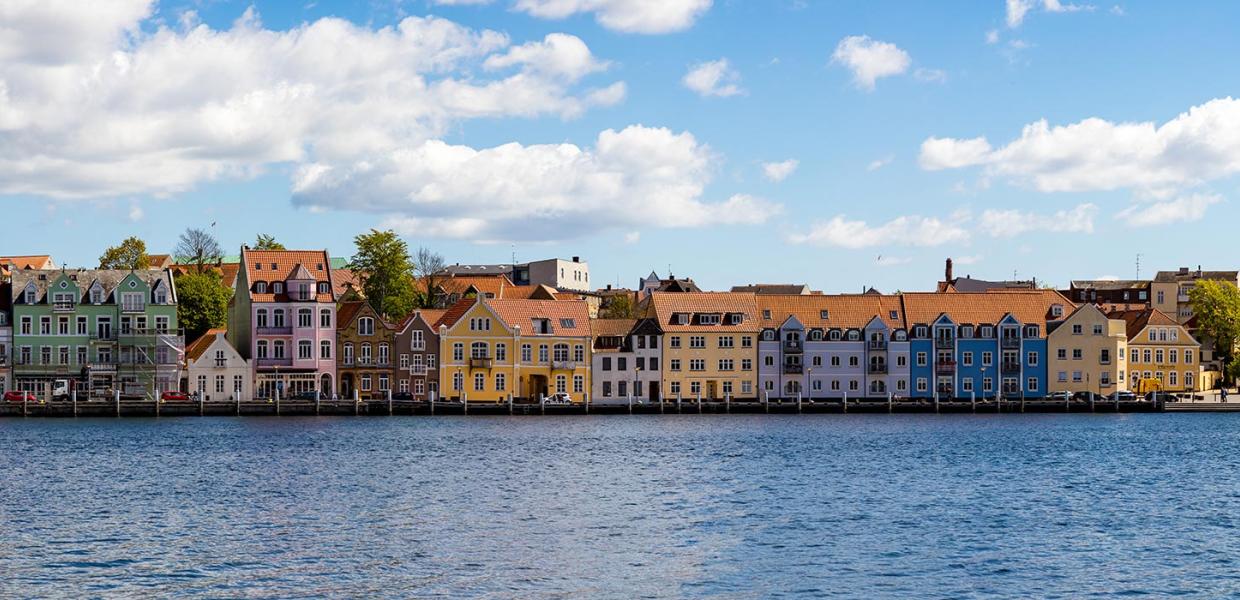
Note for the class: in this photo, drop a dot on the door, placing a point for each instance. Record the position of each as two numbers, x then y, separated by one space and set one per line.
654 391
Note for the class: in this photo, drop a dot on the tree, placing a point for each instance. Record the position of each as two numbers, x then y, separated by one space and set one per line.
198 248
619 306
130 254
202 303
267 242
385 269
428 267
1216 305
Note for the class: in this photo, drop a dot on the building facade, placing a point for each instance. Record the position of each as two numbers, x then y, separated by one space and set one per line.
1161 349
709 344
282 319
6 337
626 359
491 350
852 345
365 363
417 351
1088 353
98 330
215 371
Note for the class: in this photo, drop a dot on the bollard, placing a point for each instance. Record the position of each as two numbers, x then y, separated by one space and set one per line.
25 404
766 401
630 404
238 405
357 402
890 408
936 403
510 405
542 404
845 402
798 403
677 402
117 393
200 400
157 403
973 401
389 398
73 395
465 403
318 401
699 402
727 403
1091 402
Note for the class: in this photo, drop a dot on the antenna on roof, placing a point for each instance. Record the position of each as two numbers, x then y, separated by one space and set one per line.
1138 266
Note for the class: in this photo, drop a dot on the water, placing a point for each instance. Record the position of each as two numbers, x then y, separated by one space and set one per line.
873 506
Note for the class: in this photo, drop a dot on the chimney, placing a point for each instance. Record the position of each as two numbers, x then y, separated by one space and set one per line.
576 259
947 272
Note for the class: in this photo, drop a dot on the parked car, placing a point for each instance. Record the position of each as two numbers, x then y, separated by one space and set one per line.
559 398
172 396
18 396
402 396
307 395
1059 396
1122 397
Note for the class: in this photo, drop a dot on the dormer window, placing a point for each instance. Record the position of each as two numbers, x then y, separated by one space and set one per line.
277 287
1031 331
824 314
894 315
901 336
258 266
29 295
365 326
854 335
835 335
161 296
988 332
96 294
766 314
735 318
324 287
568 323
542 326
1057 310
966 332
260 287
274 267
768 335
681 318
708 319
815 335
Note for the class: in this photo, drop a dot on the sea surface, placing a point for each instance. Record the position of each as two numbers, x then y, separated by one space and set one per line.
686 506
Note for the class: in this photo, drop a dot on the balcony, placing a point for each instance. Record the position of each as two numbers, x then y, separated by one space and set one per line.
274 362
274 330
1009 367
481 362
301 296
1182 298
878 368
944 342
563 365
945 367
133 307
877 345
61 307
1009 342
791 369
793 346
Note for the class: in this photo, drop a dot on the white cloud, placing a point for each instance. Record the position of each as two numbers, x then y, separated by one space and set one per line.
879 163
1179 210
1197 146
779 171
639 176
901 231
629 16
97 101
870 60
930 75
1012 222
135 212
632 237
713 78
992 36
1018 9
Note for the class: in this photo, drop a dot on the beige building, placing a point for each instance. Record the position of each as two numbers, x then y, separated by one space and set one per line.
709 344
1087 353
1161 349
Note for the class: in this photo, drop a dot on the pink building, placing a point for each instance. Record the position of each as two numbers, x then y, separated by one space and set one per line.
283 319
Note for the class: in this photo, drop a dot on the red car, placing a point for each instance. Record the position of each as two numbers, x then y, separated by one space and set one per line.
174 397
17 396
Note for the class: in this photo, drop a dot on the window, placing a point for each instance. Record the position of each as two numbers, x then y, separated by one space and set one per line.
1077 354
1158 356
746 364
695 388
305 317
478 350
1032 383
579 384
543 355
622 363
726 341
1061 354
560 352
527 353
921 360
501 382
674 364
260 287
458 352
1172 378
966 384
260 318
561 384
366 326
579 353
325 350
262 348
277 287
726 364
365 355
82 324
606 363
305 350
1146 355
501 352
1104 356
746 341
416 340
458 381
1136 355
480 382
277 349
348 353
365 383
697 364
385 357
277 317
415 364
697 341
26 325
967 359
325 318
921 384
988 358
1097 329
430 361
1188 357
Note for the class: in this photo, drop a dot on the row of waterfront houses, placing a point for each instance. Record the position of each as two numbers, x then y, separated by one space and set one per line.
295 328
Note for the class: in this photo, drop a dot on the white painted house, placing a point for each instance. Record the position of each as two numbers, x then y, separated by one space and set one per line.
216 371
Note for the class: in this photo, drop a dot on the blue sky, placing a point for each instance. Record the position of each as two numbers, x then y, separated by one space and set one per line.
481 145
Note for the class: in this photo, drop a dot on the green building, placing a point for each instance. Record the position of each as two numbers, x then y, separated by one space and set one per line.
97 330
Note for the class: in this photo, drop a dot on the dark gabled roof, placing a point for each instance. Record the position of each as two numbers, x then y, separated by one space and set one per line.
1193 275
1109 284
773 288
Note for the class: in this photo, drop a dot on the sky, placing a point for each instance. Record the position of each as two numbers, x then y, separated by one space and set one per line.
839 144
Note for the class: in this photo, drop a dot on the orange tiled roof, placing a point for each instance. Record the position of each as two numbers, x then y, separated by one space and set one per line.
430 315
611 327
1137 320
454 312
196 349
568 318
30 261
160 261
845 311
664 304
1026 306
342 279
495 286
280 265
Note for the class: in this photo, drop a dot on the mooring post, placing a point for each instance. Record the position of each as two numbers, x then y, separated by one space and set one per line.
798 402
1067 403
542 404
766 401
318 401
117 394
973 401
1116 402
238 405
587 403
727 403
630 404
845 402
73 395
890 408
200 399
25 404
509 404
1091 402
158 401
699 402
677 402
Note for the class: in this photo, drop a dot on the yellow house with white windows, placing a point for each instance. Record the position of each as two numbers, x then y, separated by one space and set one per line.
709 344
1161 349
493 349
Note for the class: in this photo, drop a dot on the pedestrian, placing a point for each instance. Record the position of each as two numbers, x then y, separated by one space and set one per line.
1223 392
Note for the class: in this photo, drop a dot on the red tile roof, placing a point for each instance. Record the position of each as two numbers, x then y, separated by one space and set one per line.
1026 306
567 317
455 312
846 311
665 304
281 265
1138 320
195 350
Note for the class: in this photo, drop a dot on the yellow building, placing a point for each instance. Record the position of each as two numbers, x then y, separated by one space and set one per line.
493 349
1161 349
709 344
1088 352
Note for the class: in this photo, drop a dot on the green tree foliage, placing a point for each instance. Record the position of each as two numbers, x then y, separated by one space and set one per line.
1216 304
130 254
618 307
202 303
267 242
385 269
198 248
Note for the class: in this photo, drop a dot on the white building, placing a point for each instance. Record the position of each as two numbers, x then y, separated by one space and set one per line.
216 370
626 360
